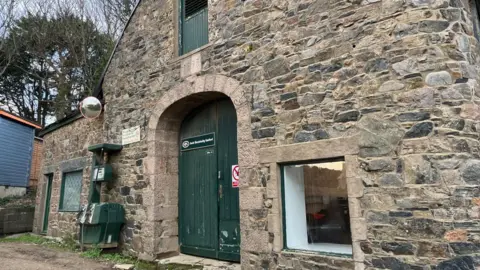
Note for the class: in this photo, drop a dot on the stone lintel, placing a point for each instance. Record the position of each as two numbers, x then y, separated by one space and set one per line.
322 149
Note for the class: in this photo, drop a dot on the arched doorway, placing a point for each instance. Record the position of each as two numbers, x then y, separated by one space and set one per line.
209 217
159 234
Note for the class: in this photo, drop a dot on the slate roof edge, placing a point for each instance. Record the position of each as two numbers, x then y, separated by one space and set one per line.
60 123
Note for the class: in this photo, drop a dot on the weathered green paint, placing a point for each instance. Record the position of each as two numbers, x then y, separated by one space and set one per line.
209 211
194 29
227 154
106 222
95 187
48 195
198 188
99 150
206 140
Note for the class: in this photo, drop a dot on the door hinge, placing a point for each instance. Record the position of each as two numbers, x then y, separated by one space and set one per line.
219 175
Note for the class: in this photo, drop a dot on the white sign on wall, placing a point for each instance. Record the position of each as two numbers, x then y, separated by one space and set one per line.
130 135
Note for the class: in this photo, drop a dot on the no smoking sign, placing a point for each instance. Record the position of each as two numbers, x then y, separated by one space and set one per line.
235 176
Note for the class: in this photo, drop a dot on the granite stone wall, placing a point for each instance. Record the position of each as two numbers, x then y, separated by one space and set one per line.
397 80
65 150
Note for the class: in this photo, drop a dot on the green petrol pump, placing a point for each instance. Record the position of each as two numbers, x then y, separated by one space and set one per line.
100 223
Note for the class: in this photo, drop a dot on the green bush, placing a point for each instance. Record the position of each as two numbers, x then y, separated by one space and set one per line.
7 200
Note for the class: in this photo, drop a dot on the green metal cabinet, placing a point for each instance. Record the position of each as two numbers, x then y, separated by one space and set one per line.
103 224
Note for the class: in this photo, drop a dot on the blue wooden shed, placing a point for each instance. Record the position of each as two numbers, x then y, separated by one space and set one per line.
16 146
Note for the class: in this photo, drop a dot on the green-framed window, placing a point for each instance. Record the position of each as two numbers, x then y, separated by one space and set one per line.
71 191
315 207
193 25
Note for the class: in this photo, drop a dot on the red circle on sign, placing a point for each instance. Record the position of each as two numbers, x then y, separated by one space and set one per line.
235 173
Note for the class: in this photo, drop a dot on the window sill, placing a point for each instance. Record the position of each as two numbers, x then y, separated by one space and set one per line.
181 57
347 257
68 211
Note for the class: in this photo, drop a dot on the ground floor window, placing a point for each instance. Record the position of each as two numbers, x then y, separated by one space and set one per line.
71 191
316 207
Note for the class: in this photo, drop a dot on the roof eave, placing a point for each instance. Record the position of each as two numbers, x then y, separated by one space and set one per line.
19 119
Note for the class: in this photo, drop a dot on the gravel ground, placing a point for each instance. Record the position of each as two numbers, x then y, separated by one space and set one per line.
19 256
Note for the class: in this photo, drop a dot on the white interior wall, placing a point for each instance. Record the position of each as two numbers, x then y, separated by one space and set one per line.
295 215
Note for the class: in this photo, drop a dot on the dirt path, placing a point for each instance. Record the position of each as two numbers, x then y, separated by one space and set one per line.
18 256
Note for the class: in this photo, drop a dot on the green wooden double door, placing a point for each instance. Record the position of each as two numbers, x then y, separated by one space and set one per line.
209 219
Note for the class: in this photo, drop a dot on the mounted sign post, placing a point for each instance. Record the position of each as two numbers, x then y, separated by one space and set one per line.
205 140
235 176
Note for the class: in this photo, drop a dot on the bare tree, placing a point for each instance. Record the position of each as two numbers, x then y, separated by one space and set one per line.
119 10
6 21
53 52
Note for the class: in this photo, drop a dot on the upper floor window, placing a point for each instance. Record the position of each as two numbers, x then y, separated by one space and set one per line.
193 25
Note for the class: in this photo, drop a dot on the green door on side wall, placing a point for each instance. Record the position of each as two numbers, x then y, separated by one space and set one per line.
48 195
209 217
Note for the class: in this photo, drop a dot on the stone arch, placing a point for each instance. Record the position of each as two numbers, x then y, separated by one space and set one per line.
160 233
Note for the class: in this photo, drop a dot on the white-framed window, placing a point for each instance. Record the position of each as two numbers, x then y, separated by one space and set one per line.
315 203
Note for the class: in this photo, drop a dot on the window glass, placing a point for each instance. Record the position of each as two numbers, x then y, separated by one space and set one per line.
71 190
316 207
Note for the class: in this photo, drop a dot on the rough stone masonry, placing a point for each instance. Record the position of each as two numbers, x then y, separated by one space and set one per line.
400 77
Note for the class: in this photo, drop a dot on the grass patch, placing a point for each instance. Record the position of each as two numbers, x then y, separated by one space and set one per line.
95 253
7 200
24 238
67 244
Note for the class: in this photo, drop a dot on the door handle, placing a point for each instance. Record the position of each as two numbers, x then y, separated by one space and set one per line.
220 191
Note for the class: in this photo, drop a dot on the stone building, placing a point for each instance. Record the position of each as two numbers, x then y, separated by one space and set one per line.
385 92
